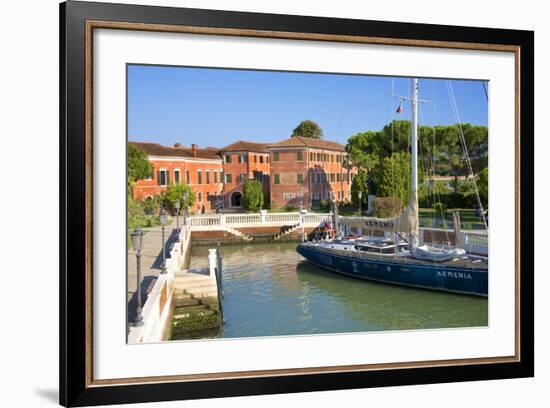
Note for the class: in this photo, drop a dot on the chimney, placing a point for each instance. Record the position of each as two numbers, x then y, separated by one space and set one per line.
194 149
177 144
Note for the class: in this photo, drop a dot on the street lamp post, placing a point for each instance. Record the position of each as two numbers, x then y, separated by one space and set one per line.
137 243
177 206
186 202
360 195
162 217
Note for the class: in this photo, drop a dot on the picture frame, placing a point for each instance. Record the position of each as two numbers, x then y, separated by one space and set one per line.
78 20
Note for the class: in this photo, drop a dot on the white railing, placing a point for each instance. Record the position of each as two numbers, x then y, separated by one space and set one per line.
156 310
317 218
243 219
223 221
473 241
202 221
285 218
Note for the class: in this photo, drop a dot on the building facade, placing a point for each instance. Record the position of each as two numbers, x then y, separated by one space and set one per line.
297 172
243 161
305 171
201 169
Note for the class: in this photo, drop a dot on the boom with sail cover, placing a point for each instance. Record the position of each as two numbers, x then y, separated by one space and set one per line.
406 222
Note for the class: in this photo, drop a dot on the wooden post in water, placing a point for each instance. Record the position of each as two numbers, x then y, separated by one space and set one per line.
219 267
219 282
456 223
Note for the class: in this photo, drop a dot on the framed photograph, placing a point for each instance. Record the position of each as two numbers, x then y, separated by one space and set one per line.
256 203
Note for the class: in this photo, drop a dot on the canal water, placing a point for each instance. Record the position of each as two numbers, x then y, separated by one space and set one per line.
271 290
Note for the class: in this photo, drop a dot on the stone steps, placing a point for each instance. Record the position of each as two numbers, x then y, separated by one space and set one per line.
179 310
200 293
195 303
190 274
186 302
195 320
183 284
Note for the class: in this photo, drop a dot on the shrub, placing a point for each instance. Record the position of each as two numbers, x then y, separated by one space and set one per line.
324 205
386 207
450 200
253 195
174 192
138 217
440 209
151 204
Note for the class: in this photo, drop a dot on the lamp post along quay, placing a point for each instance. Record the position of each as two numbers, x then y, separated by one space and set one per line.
162 217
360 195
137 244
177 205
186 202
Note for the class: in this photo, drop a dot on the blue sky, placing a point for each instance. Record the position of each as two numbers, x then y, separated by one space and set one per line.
215 107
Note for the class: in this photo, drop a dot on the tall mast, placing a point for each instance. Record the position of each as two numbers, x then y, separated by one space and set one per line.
414 154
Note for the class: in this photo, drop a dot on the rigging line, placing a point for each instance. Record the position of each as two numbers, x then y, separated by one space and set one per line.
391 157
436 195
343 109
465 149
426 167
434 122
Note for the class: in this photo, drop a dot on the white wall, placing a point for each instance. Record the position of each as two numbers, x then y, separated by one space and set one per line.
29 148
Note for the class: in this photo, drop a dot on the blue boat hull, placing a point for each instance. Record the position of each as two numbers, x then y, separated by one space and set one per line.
435 276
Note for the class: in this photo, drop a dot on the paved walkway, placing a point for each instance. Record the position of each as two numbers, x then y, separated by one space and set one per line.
151 261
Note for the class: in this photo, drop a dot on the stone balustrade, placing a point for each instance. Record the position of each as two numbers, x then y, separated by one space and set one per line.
156 310
220 221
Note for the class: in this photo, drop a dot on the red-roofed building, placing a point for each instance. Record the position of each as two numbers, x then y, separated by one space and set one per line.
305 171
201 169
296 171
243 161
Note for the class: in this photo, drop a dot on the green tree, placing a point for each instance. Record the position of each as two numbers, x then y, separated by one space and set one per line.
139 167
308 128
176 192
360 183
364 149
253 195
482 181
440 147
393 177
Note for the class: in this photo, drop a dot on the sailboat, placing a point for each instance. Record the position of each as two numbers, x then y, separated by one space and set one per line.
394 259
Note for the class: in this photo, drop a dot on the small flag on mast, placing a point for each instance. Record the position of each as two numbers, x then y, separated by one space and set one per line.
400 107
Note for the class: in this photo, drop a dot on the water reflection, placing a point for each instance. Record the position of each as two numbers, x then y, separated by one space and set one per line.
270 290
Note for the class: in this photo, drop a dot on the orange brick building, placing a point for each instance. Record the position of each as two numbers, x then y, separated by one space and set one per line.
201 169
243 161
298 171
305 171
